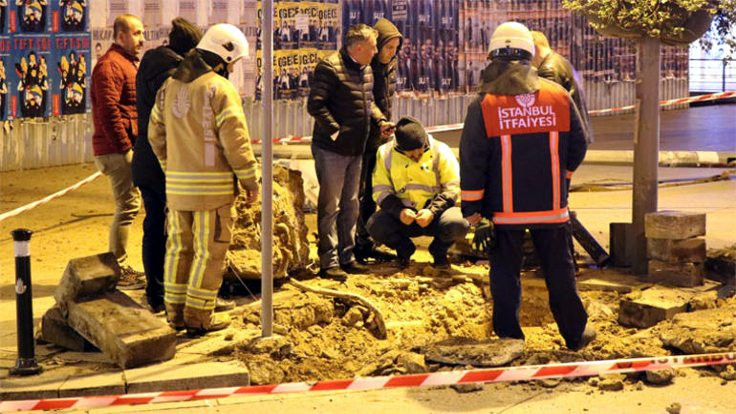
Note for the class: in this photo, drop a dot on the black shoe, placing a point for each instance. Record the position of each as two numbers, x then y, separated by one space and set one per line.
366 255
402 262
154 306
334 273
587 337
441 262
354 268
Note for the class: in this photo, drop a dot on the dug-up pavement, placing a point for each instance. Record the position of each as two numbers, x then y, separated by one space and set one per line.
323 337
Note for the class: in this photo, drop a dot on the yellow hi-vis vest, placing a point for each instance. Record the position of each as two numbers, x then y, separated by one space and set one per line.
415 183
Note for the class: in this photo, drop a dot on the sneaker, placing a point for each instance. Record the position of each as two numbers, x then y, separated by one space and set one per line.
218 322
588 336
354 268
222 305
131 279
334 273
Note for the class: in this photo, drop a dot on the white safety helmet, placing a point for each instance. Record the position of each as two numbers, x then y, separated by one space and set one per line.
511 39
226 41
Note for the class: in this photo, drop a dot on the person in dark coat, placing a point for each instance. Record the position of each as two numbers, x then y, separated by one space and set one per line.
521 137
155 67
341 102
384 67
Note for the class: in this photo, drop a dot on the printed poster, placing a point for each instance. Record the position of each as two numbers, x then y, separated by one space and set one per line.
71 61
6 68
70 16
30 57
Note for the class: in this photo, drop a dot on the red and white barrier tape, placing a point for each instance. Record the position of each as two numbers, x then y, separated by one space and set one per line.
453 127
671 102
19 210
521 373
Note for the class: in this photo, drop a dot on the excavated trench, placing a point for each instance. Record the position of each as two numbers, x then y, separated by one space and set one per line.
323 337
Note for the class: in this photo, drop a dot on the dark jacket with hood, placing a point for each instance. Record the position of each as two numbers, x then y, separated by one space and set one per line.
341 99
156 66
523 136
559 70
384 79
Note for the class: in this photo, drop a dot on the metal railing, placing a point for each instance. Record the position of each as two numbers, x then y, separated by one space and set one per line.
712 75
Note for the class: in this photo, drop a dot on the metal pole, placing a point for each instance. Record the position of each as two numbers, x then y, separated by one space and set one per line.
26 363
267 183
723 76
646 147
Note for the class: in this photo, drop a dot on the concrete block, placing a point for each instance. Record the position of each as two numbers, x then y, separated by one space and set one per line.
676 225
677 251
175 376
676 274
55 330
87 277
121 328
621 244
81 385
652 306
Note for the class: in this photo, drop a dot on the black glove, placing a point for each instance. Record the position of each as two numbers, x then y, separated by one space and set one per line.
483 241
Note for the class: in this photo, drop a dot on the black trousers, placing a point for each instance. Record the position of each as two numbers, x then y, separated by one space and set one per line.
367 207
154 242
553 249
446 229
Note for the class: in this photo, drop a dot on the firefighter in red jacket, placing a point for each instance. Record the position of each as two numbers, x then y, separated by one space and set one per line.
522 137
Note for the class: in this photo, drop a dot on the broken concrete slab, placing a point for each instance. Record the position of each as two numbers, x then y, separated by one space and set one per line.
111 383
676 274
676 225
191 376
609 280
466 351
86 277
705 331
677 251
124 330
651 306
55 330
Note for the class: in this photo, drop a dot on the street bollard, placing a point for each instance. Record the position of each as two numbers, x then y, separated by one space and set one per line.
26 363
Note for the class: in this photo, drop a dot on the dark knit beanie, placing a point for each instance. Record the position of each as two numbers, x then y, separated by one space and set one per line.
410 134
184 36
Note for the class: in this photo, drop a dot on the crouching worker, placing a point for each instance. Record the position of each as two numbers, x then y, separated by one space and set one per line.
416 183
198 132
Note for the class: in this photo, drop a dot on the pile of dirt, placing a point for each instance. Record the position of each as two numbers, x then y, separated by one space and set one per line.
291 249
327 338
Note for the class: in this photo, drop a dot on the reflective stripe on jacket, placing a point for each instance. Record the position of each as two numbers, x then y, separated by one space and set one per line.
199 134
433 182
515 154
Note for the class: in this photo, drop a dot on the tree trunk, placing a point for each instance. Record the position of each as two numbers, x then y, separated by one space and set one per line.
646 146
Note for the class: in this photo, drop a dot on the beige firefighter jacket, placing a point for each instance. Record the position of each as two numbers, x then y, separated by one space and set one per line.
199 134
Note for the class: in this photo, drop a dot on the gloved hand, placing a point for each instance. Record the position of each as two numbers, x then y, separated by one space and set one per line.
483 241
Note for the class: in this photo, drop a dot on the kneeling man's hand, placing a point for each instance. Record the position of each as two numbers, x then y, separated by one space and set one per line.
407 216
424 217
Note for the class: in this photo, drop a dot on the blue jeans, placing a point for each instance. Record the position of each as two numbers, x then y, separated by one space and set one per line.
337 205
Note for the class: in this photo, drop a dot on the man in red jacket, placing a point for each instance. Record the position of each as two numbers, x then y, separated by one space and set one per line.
115 121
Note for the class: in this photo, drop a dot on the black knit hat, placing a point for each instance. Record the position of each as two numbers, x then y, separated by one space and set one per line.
184 36
410 134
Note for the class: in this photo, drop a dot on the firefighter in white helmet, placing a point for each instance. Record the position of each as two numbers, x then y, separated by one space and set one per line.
199 134
522 137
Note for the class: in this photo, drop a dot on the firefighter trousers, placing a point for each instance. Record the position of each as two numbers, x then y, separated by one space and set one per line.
195 262
553 249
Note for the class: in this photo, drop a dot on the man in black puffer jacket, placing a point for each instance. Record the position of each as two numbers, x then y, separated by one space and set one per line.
384 86
341 102
155 67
